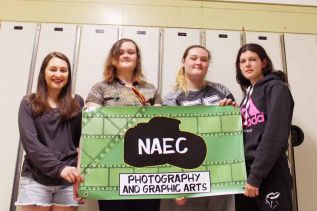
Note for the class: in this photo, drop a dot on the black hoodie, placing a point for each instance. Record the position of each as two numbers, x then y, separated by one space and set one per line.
267 112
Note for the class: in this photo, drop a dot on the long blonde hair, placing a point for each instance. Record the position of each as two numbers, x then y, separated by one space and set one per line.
181 83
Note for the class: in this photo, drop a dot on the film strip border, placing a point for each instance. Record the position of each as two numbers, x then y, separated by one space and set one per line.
116 188
165 165
113 141
200 134
99 114
117 124
225 173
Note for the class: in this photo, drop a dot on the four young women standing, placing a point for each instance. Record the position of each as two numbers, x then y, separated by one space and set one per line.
50 120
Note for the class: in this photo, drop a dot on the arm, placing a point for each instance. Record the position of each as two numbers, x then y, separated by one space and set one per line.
228 99
274 140
95 96
70 173
181 201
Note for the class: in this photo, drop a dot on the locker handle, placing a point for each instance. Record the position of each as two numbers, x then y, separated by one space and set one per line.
262 37
297 135
223 36
182 34
58 29
141 32
101 31
18 27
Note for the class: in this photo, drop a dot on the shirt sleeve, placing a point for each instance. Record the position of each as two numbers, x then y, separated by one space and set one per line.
274 141
170 99
95 95
38 153
225 91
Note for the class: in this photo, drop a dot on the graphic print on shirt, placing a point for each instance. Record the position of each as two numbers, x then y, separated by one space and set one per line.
211 100
251 115
271 199
191 103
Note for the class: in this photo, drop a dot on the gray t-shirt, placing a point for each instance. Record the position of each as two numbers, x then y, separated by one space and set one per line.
210 94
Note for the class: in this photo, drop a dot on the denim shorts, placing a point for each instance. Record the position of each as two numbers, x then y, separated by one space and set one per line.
34 193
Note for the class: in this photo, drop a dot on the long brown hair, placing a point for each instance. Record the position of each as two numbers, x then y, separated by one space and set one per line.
68 106
110 72
180 77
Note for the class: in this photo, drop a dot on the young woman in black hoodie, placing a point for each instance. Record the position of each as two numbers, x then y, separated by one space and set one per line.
267 110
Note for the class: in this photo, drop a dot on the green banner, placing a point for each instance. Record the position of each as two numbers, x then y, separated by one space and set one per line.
161 152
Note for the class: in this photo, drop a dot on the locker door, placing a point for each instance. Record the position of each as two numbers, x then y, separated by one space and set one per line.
148 40
224 46
54 37
95 44
301 59
16 48
175 42
271 42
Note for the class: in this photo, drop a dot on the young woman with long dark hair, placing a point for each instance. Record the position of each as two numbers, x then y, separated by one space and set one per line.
50 129
267 110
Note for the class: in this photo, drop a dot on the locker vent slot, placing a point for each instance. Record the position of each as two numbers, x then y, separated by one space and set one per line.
223 36
18 27
182 34
58 29
141 32
262 37
100 31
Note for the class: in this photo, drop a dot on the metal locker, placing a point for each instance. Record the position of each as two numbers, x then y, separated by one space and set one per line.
224 47
175 41
54 37
17 42
271 42
148 40
95 43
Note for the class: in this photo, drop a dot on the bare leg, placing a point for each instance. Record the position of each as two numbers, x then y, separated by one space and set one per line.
59 208
35 208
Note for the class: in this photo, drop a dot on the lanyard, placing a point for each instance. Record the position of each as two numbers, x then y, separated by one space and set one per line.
139 95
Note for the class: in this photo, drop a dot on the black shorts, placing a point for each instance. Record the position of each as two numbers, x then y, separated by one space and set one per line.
275 191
